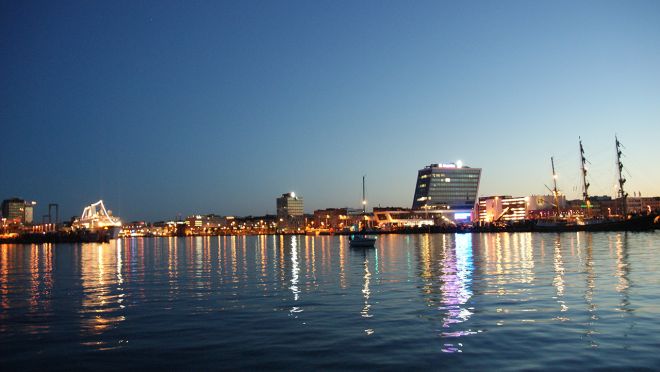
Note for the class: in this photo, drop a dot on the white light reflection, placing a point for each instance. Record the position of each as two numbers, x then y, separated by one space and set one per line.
295 270
366 291
590 332
102 302
621 265
558 281
120 278
457 289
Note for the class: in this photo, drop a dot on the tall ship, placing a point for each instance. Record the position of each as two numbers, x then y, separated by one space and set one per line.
96 219
623 221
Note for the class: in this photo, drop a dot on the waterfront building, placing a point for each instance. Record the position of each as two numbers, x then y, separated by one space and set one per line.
134 229
212 224
505 208
447 189
394 218
205 221
331 218
257 224
543 206
606 206
639 204
18 210
545 202
501 208
28 212
599 206
290 205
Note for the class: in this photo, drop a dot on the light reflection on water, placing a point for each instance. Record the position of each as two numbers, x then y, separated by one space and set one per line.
456 289
102 293
534 298
295 270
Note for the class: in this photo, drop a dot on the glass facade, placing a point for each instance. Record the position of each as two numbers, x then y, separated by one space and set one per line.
446 187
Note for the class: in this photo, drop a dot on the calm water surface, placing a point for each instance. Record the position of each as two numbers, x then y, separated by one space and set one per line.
464 301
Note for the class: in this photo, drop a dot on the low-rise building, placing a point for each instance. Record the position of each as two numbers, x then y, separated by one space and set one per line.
506 208
331 218
394 218
501 208
639 204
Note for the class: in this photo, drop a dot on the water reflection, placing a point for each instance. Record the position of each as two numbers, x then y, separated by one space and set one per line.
41 282
295 271
590 331
4 285
234 260
342 263
365 290
26 281
447 292
102 301
446 268
507 263
456 288
622 271
172 265
120 278
558 280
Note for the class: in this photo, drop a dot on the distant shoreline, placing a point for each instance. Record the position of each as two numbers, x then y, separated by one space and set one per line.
78 238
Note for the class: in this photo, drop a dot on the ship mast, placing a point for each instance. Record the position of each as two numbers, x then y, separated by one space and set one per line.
555 192
585 184
364 201
621 193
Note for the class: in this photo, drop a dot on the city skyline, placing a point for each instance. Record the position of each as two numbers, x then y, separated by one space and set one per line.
168 108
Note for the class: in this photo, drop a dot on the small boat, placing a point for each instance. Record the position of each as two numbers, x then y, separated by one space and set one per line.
361 241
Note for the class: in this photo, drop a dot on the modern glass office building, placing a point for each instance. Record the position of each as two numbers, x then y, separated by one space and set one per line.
450 189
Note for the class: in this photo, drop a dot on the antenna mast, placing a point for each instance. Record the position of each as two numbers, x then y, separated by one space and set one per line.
585 184
621 194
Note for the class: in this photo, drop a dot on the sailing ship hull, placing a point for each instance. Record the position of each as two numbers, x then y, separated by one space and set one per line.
632 223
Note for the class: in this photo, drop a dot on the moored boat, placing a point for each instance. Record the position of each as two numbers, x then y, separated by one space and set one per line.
361 241
643 222
95 219
588 222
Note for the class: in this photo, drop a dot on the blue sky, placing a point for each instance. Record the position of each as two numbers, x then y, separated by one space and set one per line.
164 108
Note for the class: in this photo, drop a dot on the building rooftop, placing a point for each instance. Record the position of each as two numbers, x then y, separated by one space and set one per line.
457 165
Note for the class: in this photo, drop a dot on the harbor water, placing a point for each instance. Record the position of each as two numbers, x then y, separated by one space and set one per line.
499 301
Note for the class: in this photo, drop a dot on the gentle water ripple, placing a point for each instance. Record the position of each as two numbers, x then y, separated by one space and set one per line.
464 301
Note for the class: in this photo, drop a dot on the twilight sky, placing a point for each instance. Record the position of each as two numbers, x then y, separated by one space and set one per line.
164 108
